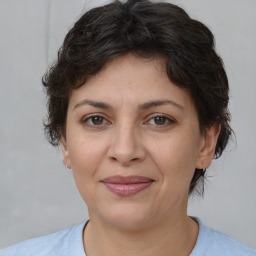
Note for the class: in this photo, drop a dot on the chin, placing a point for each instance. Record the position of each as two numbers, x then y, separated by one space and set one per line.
129 218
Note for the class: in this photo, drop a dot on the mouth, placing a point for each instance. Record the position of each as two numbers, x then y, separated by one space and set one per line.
127 186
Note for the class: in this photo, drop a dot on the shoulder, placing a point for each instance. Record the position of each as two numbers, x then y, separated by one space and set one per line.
211 243
58 243
223 243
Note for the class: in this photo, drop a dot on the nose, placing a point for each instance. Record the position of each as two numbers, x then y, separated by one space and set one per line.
127 146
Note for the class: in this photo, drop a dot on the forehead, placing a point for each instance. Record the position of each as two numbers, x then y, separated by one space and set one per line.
131 79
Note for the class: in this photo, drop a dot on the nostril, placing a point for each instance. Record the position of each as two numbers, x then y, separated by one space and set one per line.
113 158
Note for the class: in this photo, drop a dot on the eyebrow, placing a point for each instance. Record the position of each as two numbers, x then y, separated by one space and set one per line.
96 104
156 103
144 106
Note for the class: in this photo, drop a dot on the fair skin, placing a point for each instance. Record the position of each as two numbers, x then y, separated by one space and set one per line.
143 126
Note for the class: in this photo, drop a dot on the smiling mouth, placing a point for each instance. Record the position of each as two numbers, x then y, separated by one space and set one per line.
127 186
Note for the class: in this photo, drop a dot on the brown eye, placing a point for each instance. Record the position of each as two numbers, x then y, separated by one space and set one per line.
160 120
97 120
94 121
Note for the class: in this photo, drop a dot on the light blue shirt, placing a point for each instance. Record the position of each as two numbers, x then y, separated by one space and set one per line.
69 242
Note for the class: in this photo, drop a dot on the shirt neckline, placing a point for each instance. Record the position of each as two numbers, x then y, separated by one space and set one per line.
76 245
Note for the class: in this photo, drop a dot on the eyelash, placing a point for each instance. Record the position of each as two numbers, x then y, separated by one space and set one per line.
166 119
90 118
105 122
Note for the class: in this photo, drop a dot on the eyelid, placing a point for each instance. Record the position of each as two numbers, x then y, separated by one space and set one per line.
88 116
85 118
169 118
161 115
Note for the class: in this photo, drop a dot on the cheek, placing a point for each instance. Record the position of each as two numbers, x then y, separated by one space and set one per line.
84 164
175 156
86 155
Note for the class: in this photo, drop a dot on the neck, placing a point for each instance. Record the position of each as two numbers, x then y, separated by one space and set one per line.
174 236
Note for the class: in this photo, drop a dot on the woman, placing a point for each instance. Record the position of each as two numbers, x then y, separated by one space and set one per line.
138 102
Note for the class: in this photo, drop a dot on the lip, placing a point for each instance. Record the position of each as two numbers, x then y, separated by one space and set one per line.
127 186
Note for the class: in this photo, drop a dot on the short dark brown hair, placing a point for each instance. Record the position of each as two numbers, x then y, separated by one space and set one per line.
146 29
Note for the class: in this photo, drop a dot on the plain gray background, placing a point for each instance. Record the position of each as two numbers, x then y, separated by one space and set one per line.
37 193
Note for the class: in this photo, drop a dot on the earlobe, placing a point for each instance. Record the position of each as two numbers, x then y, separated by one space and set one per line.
207 151
65 154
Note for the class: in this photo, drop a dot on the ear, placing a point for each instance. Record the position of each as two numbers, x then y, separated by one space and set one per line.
65 153
208 145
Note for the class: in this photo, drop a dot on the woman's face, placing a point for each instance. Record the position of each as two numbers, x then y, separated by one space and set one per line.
133 143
